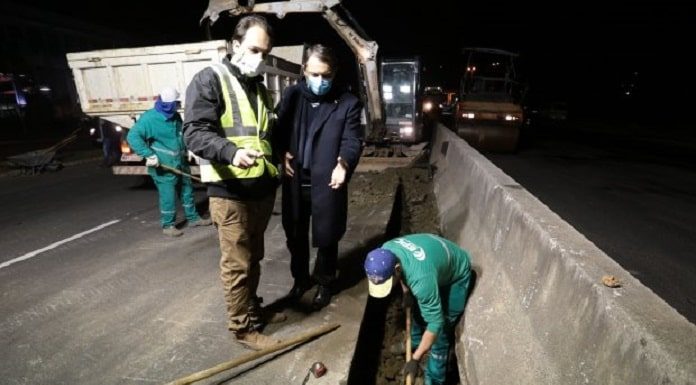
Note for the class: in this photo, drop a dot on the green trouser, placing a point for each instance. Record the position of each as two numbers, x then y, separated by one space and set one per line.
167 185
453 299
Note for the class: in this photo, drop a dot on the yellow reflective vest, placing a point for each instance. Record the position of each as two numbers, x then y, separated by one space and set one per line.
242 128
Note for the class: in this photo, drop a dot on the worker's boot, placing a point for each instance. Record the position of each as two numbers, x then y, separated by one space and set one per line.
201 222
172 231
255 340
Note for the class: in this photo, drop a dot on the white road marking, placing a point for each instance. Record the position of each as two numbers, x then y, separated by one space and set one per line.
56 244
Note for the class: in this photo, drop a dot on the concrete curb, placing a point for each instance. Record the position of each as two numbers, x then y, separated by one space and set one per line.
539 313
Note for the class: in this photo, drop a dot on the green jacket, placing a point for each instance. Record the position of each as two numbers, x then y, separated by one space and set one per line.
154 134
429 263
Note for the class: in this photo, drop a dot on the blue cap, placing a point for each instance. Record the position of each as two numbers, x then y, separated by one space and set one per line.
379 267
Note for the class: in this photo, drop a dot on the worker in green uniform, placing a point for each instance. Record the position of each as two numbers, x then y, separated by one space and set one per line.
157 137
436 273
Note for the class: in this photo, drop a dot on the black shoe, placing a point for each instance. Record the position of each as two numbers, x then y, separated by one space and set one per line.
298 289
322 297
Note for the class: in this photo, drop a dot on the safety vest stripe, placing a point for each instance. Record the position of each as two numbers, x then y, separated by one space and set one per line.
248 120
232 116
241 131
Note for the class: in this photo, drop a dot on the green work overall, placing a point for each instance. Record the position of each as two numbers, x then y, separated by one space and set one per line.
437 272
153 134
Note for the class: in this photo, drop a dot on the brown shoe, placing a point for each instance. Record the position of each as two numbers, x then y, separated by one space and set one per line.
256 341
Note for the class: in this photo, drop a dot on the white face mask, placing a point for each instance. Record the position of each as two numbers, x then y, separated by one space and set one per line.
248 64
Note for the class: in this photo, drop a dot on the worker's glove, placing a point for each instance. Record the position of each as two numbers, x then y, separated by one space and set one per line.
412 367
152 161
407 300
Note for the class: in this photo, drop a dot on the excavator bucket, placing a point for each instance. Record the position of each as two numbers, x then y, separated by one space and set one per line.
216 7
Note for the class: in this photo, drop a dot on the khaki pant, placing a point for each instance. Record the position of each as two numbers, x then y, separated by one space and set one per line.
240 225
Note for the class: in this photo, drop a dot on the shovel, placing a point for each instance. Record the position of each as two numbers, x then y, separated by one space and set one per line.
177 171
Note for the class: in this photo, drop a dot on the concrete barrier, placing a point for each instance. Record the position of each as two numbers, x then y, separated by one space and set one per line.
539 313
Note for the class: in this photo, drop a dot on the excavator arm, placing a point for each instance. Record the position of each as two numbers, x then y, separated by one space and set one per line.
365 50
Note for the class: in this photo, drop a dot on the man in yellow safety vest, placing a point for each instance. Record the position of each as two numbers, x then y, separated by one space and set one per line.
228 118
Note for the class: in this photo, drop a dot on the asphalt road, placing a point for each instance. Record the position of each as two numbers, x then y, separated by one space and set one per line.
122 304
631 192
104 298
91 291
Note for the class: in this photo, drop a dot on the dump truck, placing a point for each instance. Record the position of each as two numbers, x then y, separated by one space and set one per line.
118 85
489 112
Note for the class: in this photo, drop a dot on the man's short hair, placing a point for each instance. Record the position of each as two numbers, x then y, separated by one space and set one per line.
249 21
324 54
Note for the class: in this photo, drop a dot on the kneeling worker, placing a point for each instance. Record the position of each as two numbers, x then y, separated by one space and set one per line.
436 272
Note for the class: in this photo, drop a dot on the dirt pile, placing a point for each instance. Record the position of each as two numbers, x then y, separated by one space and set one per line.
419 212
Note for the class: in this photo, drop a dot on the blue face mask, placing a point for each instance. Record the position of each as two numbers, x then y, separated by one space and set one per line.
168 109
318 85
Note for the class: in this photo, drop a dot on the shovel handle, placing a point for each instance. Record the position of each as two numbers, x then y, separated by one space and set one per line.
408 342
177 171
203 374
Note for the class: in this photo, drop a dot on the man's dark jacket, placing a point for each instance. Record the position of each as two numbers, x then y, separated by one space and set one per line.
335 131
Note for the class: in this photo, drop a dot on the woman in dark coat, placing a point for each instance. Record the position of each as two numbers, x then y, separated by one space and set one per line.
319 139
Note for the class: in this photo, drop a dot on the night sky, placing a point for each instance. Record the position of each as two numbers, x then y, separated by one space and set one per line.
571 50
